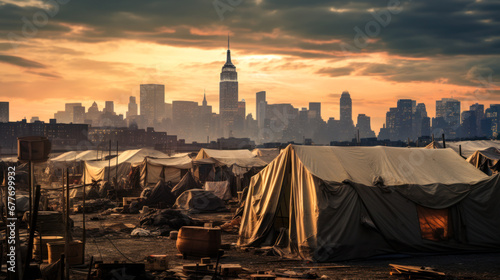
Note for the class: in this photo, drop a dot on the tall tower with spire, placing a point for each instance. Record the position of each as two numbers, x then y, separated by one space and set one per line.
228 92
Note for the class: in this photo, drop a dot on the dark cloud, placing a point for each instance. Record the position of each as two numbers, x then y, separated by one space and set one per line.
336 72
21 62
438 30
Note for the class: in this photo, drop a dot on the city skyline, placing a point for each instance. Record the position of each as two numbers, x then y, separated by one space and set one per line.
71 58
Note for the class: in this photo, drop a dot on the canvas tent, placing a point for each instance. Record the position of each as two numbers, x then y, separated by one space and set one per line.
199 201
487 160
340 203
167 169
188 182
230 165
266 154
100 170
466 148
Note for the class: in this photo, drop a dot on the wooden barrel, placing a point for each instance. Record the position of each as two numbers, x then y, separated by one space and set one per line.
199 241
42 248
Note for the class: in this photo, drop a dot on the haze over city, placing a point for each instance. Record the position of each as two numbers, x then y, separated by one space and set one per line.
298 52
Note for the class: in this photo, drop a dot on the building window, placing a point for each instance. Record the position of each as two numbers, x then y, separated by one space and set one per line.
434 223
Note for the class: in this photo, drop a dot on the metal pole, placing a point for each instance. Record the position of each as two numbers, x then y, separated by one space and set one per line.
66 243
444 142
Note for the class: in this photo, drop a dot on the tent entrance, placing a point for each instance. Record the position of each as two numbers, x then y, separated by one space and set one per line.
434 223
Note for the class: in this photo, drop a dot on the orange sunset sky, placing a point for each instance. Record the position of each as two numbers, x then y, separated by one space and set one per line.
56 52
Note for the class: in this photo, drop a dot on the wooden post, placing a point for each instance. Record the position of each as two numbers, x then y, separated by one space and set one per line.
67 239
34 216
109 162
84 237
116 167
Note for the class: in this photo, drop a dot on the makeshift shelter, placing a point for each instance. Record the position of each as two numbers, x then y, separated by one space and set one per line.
210 153
340 203
188 182
160 194
200 201
167 169
470 147
487 160
120 166
221 189
266 154
226 165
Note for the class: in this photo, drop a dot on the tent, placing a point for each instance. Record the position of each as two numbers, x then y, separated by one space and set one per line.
467 148
160 194
487 160
220 189
167 169
199 201
120 167
188 182
209 153
341 203
266 154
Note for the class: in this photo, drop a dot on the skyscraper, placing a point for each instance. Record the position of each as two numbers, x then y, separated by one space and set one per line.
109 107
132 107
228 92
260 113
4 111
364 126
346 123
404 118
346 108
152 103
316 107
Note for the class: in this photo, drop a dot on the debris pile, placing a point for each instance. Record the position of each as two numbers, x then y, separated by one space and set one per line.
166 220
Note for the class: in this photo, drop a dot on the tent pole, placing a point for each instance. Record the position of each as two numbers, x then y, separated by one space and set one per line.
460 150
444 142
66 243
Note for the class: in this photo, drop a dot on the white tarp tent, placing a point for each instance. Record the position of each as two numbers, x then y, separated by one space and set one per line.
467 147
167 169
101 170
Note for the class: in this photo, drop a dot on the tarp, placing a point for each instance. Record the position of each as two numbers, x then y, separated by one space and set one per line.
487 160
199 201
220 189
266 154
160 194
340 203
468 147
76 156
188 182
167 169
209 153
99 170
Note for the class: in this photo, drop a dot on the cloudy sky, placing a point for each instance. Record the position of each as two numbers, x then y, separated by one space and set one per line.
58 51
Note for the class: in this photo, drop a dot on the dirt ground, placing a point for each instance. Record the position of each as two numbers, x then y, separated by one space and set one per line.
109 245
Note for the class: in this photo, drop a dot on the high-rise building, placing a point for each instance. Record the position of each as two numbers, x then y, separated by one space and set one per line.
478 110
132 107
404 118
449 109
346 123
260 108
364 126
109 107
316 107
4 111
242 109
346 108
228 92
152 103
